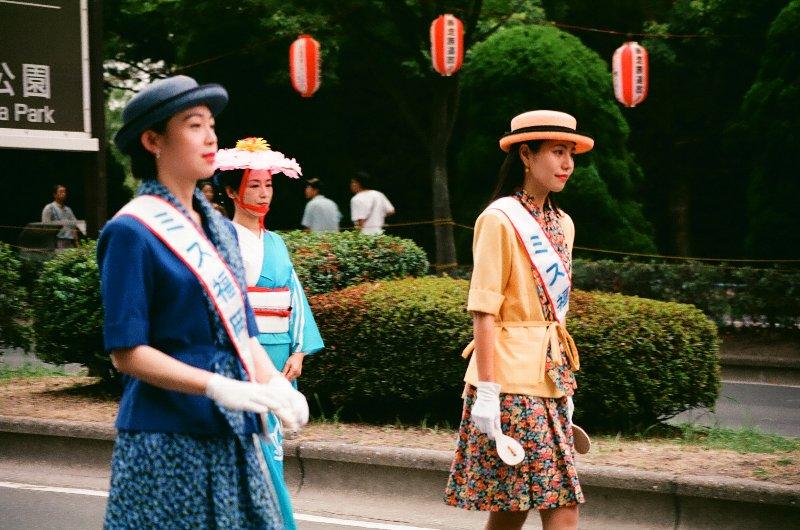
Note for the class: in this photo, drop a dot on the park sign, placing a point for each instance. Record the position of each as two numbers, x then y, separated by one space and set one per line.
44 75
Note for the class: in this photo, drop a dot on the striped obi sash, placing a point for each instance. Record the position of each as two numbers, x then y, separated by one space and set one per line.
272 307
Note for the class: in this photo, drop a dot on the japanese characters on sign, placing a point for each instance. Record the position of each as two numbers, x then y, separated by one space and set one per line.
44 75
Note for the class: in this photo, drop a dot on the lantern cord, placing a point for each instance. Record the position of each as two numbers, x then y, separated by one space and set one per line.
451 222
629 33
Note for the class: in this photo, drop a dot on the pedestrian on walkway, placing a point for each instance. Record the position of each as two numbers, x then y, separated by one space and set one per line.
321 214
57 212
520 378
286 326
369 208
181 331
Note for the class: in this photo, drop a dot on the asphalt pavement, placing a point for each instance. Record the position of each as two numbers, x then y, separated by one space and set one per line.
769 408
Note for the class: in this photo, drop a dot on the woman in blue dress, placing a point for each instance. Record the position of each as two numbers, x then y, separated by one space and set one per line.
287 329
180 329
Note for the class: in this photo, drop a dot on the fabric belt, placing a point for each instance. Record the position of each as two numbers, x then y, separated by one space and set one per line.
555 334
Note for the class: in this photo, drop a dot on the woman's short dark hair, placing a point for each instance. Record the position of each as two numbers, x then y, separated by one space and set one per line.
511 176
232 179
58 187
143 162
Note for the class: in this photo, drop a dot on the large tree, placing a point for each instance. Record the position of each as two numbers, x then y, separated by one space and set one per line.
384 45
532 66
704 56
770 117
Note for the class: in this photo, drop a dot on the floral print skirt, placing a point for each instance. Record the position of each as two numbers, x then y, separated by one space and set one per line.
545 479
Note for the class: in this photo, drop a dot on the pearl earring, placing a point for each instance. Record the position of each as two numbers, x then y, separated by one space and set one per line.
158 154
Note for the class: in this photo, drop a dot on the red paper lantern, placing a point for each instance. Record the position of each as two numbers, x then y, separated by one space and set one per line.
447 44
630 72
304 65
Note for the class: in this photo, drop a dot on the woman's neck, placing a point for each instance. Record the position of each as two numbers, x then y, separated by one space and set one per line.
248 221
536 192
182 190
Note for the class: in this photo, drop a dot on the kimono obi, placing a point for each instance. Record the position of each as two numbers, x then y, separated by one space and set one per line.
272 307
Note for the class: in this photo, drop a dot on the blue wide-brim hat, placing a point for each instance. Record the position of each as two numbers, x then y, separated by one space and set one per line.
163 99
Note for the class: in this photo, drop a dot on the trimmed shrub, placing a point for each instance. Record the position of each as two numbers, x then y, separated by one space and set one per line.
14 311
763 297
68 311
393 351
327 261
66 297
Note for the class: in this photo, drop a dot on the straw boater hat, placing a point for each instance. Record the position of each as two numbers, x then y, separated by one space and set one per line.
545 125
162 100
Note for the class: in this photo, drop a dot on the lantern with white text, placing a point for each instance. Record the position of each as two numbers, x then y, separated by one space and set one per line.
630 74
447 44
304 65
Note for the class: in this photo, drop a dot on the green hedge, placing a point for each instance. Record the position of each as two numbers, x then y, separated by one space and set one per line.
328 261
393 351
14 310
68 320
69 323
728 295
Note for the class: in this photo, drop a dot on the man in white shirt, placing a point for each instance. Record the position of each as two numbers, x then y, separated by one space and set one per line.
368 208
321 213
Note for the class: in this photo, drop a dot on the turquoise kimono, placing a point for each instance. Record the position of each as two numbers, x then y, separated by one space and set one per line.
277 271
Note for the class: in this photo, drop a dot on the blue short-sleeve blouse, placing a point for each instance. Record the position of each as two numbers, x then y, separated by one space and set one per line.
151 298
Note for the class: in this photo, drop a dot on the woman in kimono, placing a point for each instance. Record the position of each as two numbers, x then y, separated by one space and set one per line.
179 327
520 378
287 329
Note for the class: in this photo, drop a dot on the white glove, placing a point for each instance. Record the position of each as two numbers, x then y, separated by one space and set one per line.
243 395
486 409
293 411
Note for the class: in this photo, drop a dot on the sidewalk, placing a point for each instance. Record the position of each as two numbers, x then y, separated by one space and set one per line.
759 359
323 473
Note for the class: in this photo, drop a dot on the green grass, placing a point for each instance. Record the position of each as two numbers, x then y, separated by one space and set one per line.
29 370
743 440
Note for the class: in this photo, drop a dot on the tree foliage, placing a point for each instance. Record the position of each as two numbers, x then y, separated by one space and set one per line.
538 67
770 118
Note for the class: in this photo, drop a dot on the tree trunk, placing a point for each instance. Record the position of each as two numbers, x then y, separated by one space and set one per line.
680 206
444 106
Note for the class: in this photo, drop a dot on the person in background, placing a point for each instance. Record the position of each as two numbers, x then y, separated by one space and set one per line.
321 214
57 212
286 326
369 208
207 187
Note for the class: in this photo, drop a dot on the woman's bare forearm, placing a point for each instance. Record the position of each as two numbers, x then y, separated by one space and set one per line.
159 369
484 331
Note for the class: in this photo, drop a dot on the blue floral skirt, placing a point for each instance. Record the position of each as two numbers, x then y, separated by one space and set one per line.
545 479
167 480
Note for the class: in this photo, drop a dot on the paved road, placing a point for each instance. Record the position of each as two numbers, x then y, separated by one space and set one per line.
24 508
770 408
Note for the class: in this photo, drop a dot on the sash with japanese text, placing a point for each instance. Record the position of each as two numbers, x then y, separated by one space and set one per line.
541 252
192 247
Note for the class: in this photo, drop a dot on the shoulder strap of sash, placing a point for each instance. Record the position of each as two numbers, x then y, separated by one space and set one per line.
541 252
188 242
